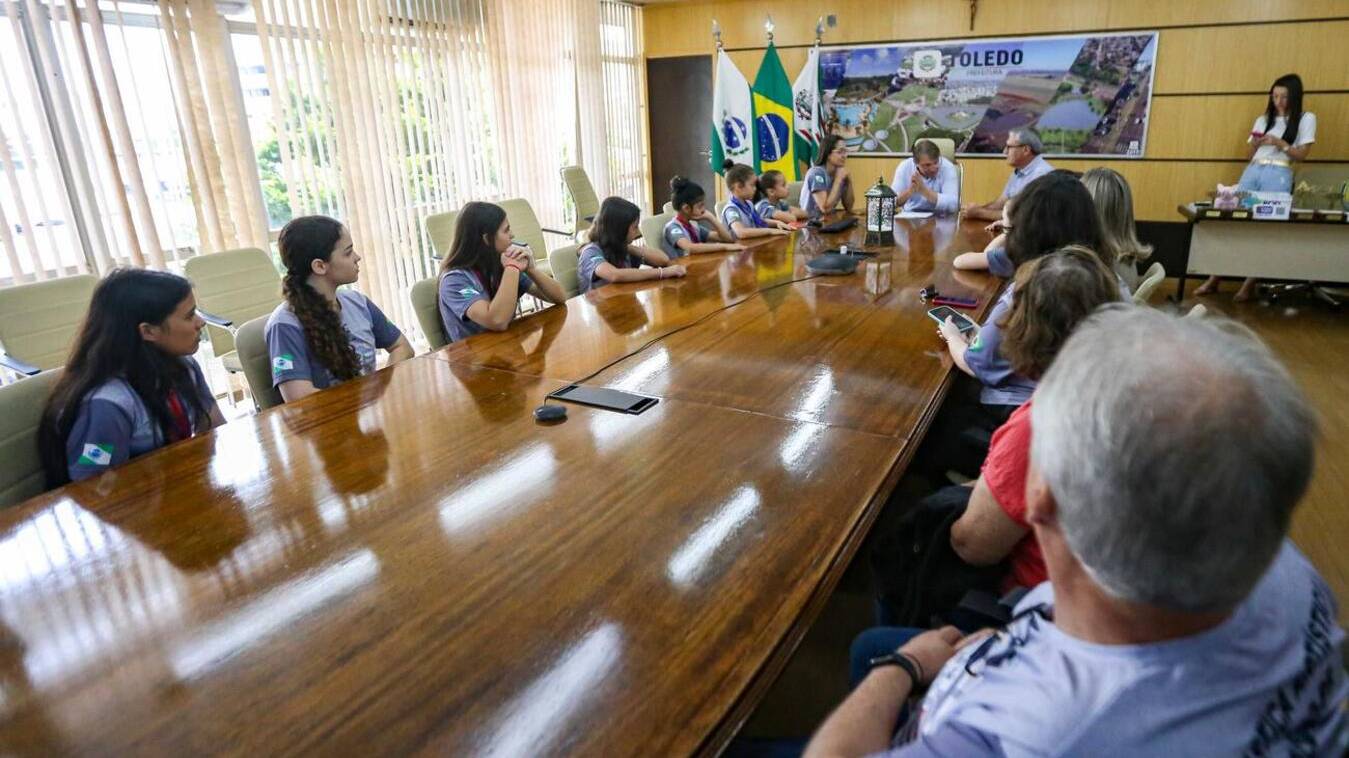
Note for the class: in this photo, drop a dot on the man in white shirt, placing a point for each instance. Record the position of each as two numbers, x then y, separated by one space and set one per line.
927 182
1022 152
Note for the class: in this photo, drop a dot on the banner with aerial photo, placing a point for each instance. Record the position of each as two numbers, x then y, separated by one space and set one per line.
1087 95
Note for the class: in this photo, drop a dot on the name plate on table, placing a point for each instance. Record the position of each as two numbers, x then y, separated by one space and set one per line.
1271 206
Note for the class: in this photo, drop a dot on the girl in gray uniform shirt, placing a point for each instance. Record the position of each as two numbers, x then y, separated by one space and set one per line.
322 335
610 255
486 274
130 385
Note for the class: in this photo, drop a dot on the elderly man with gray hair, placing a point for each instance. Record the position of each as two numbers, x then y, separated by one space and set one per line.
1022 151
1167 456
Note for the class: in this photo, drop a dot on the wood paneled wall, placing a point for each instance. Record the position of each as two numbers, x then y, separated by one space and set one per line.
1215 62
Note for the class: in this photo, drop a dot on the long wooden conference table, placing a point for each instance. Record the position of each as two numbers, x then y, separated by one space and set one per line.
409 563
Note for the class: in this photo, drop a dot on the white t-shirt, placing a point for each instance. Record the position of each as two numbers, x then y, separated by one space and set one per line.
1306 134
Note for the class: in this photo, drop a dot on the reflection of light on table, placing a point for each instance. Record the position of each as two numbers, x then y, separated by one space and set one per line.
516 481
690 560
821 387
540 714
274 611
796 445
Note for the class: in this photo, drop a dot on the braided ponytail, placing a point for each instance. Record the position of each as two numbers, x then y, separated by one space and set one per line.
302 241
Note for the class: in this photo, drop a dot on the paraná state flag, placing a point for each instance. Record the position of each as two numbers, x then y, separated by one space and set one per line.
732 115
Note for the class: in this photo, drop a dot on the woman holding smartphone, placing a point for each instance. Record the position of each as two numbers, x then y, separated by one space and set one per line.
1280 137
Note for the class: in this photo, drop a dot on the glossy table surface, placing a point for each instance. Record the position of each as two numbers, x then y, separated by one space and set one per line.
409 563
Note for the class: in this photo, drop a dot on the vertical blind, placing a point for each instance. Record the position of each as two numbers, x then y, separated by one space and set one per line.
135 134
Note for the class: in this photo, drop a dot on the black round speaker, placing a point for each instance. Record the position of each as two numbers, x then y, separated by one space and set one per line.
832 264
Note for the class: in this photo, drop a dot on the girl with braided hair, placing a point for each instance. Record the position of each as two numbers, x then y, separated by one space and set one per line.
322 335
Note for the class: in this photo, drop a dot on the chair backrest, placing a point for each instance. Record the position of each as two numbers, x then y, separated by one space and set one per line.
583 197
794 193
237 284
652 227
440 228
946 145
21 406
1152 279
525 227
251 342
425 298
721 207
1198 311
563 262
667 208
39 321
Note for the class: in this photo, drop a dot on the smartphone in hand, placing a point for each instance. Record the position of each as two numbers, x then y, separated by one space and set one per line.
943 312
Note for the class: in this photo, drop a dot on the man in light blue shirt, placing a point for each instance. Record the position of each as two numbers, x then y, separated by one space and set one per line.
1022 152
927 182
1178 619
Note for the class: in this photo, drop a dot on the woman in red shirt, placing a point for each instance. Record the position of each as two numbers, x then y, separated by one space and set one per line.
1054 294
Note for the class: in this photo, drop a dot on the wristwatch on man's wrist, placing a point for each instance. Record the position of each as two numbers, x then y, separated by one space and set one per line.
902 660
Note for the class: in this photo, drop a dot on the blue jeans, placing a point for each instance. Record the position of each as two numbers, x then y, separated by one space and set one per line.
1266 178
873 643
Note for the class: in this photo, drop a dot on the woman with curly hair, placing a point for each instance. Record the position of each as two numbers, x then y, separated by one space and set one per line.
321 336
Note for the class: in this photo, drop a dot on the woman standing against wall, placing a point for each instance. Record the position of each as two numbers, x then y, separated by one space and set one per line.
1281 136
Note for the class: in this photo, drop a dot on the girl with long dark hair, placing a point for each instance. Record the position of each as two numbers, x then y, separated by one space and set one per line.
130 385
827 183
610 255
1280 137
322 335
486 274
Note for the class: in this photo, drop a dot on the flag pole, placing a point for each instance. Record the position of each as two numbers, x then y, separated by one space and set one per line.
769 27
716 32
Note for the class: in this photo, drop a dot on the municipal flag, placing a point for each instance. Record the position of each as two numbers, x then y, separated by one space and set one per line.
95 455
773 134
732 115
806 109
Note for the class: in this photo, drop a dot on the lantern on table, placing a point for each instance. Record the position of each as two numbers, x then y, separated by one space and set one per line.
880 214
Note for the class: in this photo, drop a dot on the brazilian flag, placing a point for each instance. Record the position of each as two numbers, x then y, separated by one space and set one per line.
773 130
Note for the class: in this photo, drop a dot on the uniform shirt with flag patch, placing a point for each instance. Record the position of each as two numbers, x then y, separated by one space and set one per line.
766 208
459 289
113 425
675 231
587 265
368 329
817 180
733 214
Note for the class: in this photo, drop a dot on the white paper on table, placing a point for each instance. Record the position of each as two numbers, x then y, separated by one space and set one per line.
914 214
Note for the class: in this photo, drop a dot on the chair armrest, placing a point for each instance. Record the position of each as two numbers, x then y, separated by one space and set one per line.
18 366
211 318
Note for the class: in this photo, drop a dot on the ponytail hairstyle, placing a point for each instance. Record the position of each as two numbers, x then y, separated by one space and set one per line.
110 346
611 225
767 180
305 240
685 192
736 173
1292 83
474 247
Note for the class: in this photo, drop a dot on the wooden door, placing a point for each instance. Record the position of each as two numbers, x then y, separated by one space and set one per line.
679 91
